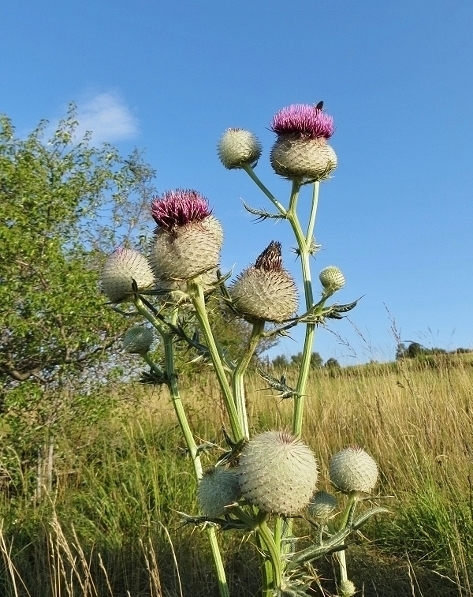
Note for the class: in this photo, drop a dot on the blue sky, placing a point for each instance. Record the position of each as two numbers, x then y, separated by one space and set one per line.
169 77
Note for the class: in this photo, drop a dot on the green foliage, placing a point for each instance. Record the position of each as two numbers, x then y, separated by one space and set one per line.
231 333
332 363
51 240
430 526
280 361
416 351
316 360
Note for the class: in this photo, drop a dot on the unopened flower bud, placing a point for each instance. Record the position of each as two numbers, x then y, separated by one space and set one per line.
188 238
218 488
238 148
301 150
121 268
347 588
265 291
353 469
322 504
332 278
138 340
278 473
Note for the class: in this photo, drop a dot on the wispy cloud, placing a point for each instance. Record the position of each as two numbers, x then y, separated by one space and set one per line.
107 117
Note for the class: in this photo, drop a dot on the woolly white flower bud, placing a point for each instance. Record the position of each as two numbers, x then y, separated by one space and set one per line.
238 147
278 473
218 488
347 588
121 268
332 278
322 504
138 340
265 291
353 469
307 159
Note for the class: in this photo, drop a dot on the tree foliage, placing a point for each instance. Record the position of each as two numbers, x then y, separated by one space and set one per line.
316 360
416 351
63 204
66 204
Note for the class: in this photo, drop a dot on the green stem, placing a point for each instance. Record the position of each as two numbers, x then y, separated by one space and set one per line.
313 212
192 447
348 515
342 564
304 245
153 365
217 558
346 523
197 296
251 173
177 402
142 310
267 570
239 373
273 551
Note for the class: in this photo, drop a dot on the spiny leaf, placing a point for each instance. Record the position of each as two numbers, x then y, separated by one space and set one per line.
279 385
262 214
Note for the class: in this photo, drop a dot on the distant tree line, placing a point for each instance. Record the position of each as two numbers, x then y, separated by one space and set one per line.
411 350
414 350
316 361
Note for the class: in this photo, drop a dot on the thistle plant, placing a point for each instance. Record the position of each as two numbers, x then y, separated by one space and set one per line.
262 481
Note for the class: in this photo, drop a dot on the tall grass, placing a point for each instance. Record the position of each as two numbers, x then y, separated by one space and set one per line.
111 524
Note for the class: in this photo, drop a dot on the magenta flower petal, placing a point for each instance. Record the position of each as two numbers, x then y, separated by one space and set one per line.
303 120
177 208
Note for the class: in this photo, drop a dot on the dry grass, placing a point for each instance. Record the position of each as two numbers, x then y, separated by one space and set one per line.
116 492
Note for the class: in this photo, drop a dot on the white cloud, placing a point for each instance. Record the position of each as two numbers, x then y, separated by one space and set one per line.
107 117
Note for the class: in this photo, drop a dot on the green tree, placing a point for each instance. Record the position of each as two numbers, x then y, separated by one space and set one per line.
316 360
415 350
280 361
51 238
332 363
401 351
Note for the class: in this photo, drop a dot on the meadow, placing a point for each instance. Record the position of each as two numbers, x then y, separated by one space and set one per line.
110 525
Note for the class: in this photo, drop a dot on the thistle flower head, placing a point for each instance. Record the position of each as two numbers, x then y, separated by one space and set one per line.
121 268
332 278
322 504
218 488
270 259
278 473
265 290
178 208
237 148
188 237
303 120
353 469
138 340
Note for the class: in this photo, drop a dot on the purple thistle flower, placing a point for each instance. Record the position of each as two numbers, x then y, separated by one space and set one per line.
270 259
303 120
177 208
